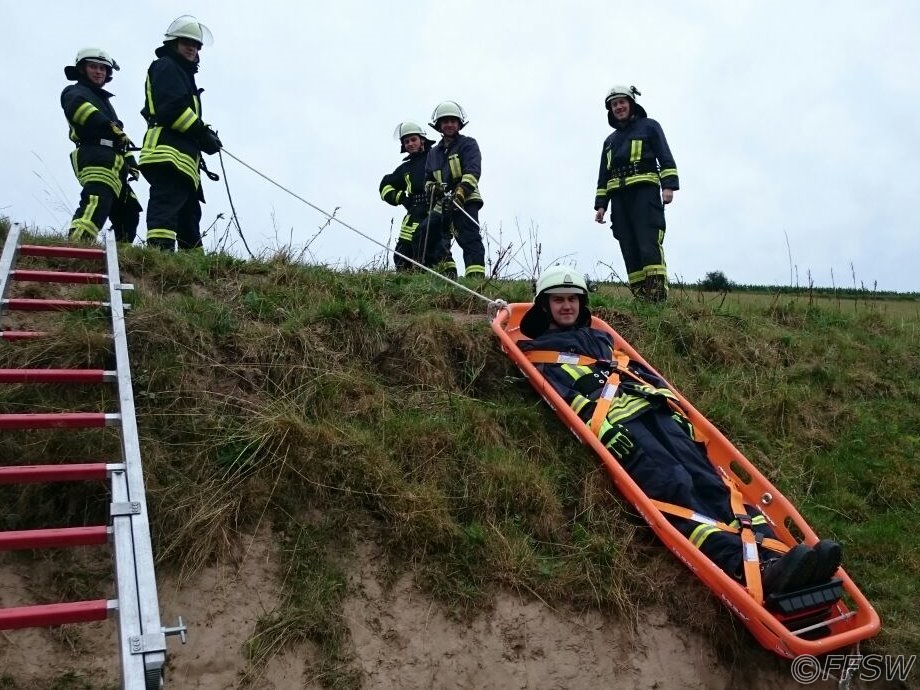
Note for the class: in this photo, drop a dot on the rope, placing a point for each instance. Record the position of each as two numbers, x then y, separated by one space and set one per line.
493 303
236 218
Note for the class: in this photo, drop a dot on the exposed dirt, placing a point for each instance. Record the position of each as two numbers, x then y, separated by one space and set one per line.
399 638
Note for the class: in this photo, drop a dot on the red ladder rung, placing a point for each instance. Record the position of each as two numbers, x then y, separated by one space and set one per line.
44 615
58 277
56 376
61 252
36 474
22 335
26 304
53 538
57 420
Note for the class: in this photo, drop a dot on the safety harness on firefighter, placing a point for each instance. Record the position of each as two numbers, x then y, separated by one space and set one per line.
743 524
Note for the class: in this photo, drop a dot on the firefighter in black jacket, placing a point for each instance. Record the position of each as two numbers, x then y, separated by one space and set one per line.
452 171
101 161
653 440
176 137
637 173
405 187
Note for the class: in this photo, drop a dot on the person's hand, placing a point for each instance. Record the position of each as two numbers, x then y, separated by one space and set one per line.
434 188
133 174
599 215
667 195
124 143
209 141
459 195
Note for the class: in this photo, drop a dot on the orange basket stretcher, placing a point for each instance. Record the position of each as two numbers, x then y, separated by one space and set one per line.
798 625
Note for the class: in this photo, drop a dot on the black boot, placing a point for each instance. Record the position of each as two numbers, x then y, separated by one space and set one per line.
656 288
828 555
793 570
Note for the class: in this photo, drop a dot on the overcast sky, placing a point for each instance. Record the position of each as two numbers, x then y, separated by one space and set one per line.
796 120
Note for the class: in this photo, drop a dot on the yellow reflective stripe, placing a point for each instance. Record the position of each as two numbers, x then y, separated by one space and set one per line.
82 114
700 534
600 191
668 172
161 234
609 158
578 403
624 407
437 176
386 190
185 120
408 181
635 150
407 229
572 371
453 163
149 96
471 180
474 270
155 152
614 182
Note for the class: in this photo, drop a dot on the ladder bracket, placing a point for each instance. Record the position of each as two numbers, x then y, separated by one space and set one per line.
181 629
121 509
124 286
145 644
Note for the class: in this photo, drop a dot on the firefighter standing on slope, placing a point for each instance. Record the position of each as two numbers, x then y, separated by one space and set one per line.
101 161
176 137
453 168
637 173
405 187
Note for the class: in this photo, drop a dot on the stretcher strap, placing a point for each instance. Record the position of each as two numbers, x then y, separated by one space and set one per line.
687 514
748 540
603 403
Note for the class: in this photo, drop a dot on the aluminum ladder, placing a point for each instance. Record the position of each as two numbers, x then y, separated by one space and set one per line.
141 637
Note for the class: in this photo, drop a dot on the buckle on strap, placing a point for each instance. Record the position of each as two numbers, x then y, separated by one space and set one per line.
744 521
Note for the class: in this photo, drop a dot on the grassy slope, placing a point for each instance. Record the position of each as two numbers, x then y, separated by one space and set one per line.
340 407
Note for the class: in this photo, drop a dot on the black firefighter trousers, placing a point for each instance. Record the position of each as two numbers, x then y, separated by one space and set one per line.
98 202
174 209
637 220
670 466
465 228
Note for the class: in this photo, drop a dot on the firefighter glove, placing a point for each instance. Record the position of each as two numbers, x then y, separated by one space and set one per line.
133 174
460 195
209 141
434 188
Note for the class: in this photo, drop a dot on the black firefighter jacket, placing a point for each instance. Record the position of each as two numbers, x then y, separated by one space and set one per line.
98 156
459 163
405 187
172 110
635 153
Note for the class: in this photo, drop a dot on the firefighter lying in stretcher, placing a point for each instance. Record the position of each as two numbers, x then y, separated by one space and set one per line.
643 428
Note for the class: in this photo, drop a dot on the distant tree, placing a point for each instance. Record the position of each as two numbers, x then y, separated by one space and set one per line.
716 281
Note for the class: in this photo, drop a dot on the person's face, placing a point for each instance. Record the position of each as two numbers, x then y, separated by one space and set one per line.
564 309
412 143
188 48
95 72
619 106
449 126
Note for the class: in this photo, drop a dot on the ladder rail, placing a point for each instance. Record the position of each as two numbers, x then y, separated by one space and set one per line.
10 247
148 643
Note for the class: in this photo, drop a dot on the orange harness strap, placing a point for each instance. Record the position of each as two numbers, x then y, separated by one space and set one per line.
686 513
748 540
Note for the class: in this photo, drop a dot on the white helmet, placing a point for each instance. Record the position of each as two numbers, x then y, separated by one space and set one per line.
96 55
188 27
404 129
555 280
561 280
448 109
630 92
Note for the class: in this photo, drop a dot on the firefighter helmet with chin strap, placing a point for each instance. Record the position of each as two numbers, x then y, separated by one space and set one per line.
190 28
407 128
555 280
95 55
630 92
448 109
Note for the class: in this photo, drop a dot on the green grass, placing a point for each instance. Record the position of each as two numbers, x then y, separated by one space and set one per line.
351 406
